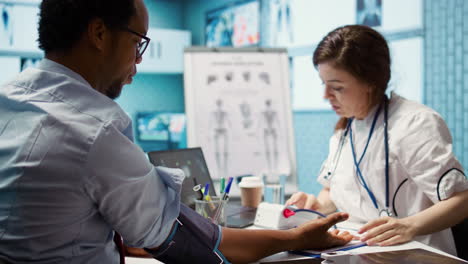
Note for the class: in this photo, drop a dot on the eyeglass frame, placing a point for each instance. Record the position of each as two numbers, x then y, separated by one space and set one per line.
144 43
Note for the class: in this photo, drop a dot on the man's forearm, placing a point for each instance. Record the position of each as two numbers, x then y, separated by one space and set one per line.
244 246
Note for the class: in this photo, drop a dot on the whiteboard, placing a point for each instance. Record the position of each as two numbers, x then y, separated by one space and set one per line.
238 110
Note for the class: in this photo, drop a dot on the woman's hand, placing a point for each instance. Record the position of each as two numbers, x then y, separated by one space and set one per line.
387 231
304 201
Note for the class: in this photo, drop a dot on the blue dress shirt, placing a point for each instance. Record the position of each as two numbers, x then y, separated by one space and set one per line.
70 174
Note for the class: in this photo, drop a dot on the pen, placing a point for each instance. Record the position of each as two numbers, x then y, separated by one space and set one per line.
223 181
223 201
228 188
206 196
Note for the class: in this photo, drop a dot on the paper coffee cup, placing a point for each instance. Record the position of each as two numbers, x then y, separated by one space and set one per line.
251 191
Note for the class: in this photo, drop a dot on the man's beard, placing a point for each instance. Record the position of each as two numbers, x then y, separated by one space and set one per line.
113 92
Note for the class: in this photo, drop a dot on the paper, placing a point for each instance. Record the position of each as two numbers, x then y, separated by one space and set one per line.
410 256
351 245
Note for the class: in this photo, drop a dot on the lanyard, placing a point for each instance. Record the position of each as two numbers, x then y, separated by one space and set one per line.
362 181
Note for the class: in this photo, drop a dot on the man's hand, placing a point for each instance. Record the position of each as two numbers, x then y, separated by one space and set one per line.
387 231
315 234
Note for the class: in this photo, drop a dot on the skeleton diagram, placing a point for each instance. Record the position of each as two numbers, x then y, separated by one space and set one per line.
270 128
221 123
6 26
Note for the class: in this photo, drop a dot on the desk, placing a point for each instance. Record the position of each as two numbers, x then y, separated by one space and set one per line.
345 225
365 249
289 256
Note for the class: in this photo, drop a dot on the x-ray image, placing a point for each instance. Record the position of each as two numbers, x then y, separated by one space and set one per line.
219 30
6 25
369 12
29 62
281 20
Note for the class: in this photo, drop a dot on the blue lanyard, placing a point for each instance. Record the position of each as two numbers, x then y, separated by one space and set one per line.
362 181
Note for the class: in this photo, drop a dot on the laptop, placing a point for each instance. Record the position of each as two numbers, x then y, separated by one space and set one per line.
192 162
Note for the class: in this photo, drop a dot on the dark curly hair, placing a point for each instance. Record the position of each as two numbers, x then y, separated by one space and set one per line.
62 22
361 51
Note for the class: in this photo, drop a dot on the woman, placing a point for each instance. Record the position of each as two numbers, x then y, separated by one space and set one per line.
390 161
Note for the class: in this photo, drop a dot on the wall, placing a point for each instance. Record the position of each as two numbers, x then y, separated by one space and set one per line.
156 92
446 62
312 130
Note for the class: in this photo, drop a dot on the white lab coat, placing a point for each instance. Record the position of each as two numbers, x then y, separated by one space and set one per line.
420 150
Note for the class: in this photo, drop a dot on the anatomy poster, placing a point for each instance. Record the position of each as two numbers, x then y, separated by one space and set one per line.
239 111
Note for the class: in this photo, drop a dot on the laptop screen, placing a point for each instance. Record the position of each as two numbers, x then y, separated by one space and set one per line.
192 162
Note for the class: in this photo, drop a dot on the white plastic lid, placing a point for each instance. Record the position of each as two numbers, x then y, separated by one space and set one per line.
251 182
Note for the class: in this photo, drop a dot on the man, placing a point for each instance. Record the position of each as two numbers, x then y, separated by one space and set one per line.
70 174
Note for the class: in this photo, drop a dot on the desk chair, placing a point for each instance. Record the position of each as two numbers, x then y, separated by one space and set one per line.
460 235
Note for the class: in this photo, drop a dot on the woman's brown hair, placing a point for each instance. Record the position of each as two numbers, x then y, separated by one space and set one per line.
362 52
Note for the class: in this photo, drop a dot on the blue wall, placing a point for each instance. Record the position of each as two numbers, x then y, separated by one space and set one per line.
312 131
446 64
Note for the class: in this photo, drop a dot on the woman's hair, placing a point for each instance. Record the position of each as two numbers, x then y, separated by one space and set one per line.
62 22
360 51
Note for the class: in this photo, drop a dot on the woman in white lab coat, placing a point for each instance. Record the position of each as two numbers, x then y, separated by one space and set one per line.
390 163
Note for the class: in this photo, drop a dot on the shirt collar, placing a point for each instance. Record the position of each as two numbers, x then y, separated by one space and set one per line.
50 65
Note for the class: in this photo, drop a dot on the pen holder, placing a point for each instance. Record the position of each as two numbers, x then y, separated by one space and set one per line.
213 209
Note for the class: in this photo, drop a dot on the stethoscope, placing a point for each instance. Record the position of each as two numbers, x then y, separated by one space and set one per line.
385 211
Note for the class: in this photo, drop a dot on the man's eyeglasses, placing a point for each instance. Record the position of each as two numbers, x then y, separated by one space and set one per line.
142 45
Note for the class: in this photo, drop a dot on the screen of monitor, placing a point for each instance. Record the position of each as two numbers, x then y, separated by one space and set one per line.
160 126
236 25
192 162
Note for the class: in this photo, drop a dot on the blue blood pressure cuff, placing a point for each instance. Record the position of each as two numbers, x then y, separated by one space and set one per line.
193 239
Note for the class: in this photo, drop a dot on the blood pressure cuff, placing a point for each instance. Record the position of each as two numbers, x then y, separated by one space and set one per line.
193 239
